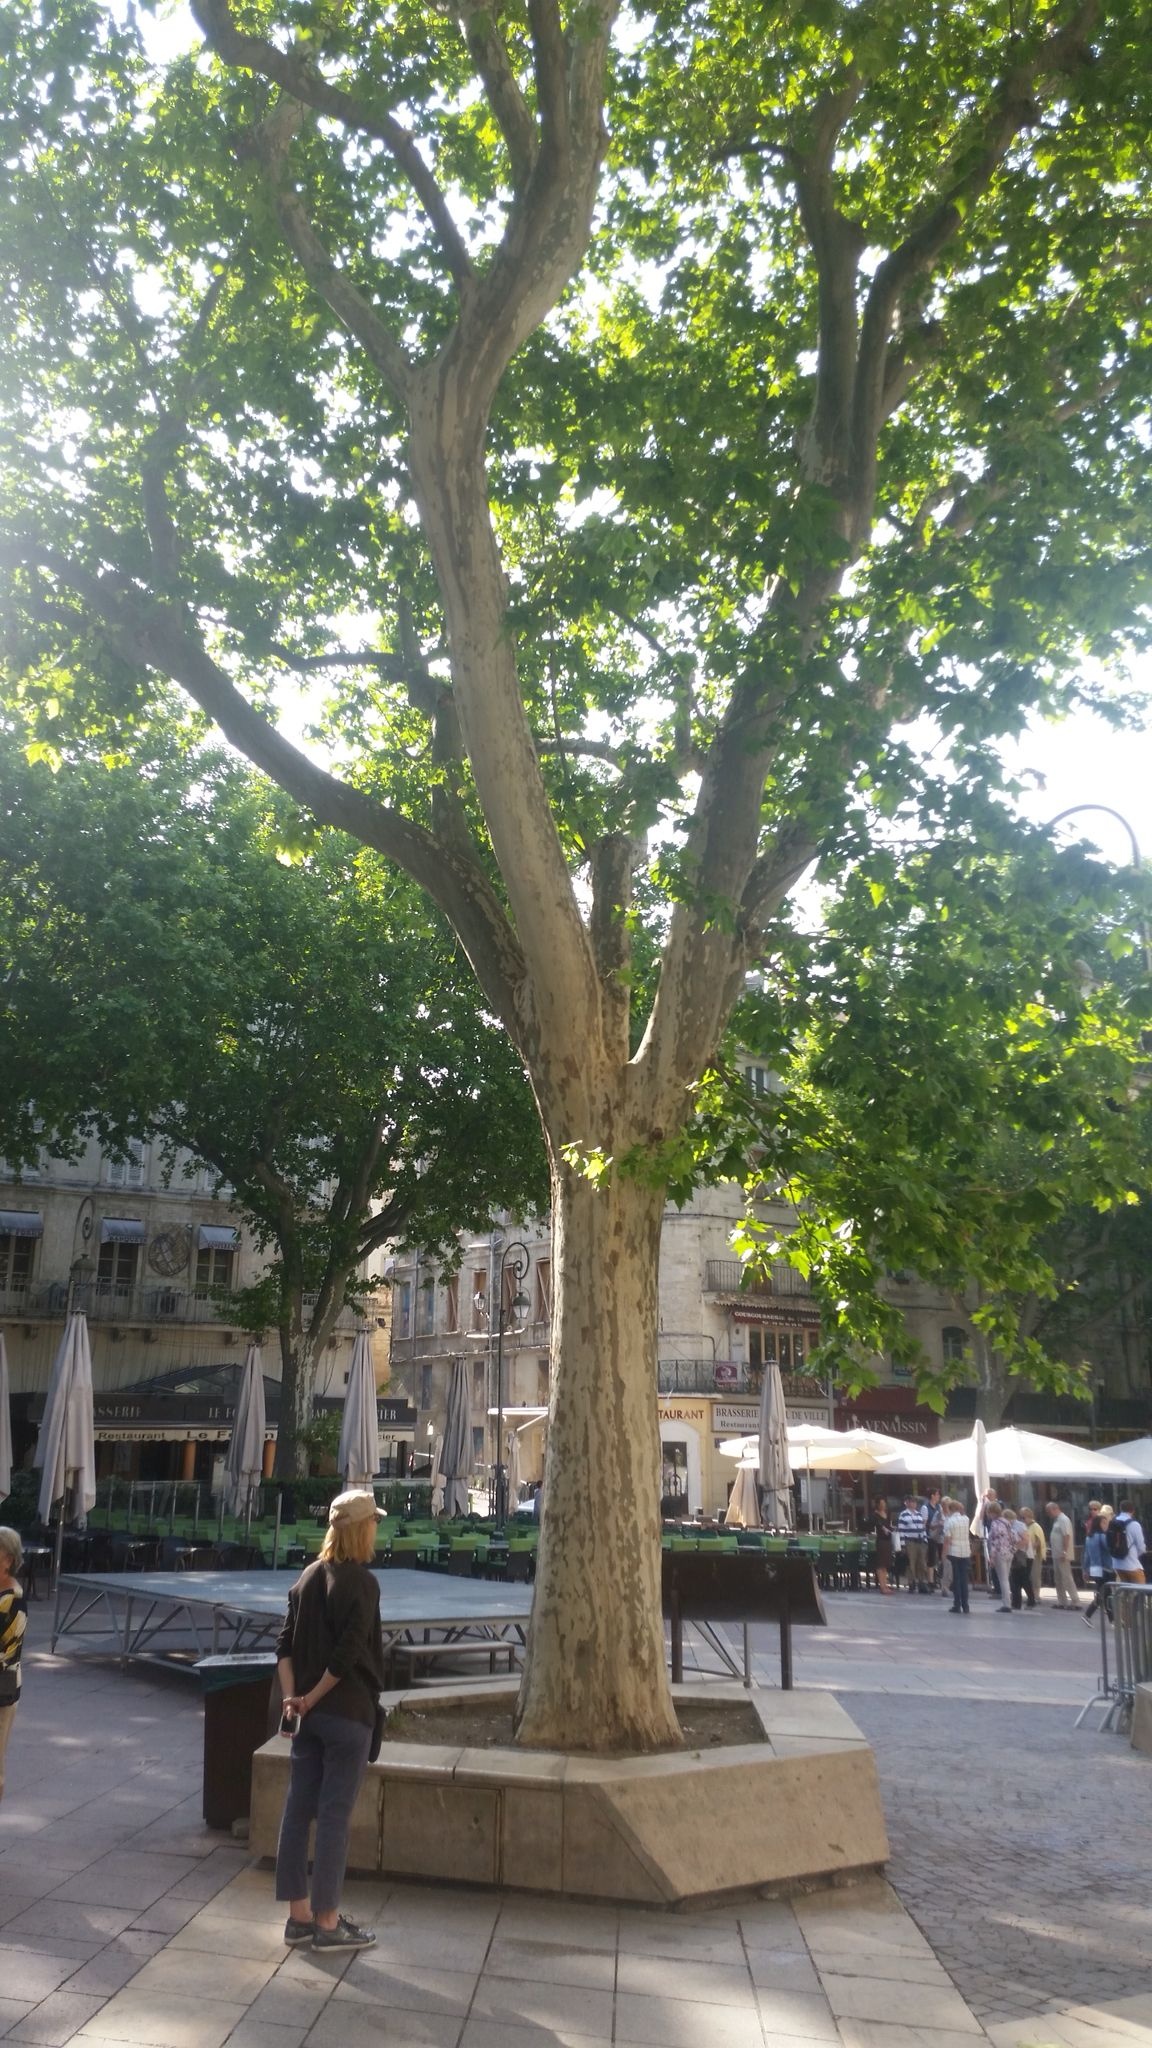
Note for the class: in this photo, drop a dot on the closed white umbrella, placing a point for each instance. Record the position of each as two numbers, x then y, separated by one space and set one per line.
743 1510
66 1445
772 1450
5 1425
244 1464
436 1503
359 1454
512 1469
456 1449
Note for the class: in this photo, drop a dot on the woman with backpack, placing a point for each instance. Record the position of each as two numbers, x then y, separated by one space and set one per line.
331 1668
1126 1545
1096 1564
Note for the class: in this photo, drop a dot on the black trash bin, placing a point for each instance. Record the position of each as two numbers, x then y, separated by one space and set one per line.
239 1716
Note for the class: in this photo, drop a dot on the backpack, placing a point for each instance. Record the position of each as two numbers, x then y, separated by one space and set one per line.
1116 1537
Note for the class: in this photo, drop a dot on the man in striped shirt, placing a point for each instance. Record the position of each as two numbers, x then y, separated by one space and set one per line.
912 1529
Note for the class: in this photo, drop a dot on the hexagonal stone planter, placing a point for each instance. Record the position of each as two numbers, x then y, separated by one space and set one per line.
800 1807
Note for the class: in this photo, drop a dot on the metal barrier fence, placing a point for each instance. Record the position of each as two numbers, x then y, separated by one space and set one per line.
1129 1608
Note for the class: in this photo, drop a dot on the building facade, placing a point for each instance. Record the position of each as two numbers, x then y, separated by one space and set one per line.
154 1256
715 1338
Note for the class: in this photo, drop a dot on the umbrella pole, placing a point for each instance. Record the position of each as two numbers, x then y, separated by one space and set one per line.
248 1515
56 1576
220 1526
276 1532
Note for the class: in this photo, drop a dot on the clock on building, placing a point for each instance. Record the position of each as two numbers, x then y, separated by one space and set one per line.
170 1249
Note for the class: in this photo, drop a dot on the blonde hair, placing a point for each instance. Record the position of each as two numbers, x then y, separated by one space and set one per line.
350 1542
12 1547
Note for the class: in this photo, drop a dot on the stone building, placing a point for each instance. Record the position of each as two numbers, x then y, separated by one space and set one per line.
715 1337
154 1256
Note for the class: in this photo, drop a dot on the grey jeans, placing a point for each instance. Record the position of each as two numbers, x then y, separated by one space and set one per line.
1066 1593
329 1757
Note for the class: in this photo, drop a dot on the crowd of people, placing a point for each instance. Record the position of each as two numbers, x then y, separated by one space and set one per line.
935 1542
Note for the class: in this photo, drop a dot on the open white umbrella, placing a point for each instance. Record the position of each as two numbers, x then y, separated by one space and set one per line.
1013 1454
456 1449
5 1425
244 1464
1137 1453
772 1450
743 1510
66 1445
359 1454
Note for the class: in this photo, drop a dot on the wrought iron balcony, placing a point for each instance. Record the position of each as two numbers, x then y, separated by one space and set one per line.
727 1276
152 1305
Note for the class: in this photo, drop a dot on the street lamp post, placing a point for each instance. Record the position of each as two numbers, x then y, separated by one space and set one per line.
514 1259
1107 811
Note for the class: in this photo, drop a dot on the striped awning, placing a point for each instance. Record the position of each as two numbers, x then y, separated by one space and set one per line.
21 1223
217 1237
122 1230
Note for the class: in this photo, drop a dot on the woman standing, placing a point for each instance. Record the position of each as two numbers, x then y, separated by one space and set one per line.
13 1622
880 1529
1098 1566
331 1668
1000 1537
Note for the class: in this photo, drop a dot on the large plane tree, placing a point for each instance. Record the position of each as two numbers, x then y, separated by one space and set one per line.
640 419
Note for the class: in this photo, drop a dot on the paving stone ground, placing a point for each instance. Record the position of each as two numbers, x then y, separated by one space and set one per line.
123 1920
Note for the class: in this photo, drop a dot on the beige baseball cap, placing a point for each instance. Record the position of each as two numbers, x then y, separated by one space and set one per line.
356 1506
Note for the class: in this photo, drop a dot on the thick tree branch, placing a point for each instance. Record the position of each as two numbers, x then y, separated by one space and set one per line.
489 54
296 76
836 244
272 142
1014 107
613 863
158 636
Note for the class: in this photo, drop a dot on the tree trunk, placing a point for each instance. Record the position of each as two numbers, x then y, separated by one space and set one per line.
297 1387
595 1677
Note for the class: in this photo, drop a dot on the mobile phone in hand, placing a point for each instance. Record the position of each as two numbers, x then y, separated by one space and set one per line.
289 1722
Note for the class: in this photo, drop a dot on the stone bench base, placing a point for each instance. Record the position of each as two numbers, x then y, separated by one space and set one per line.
801 1807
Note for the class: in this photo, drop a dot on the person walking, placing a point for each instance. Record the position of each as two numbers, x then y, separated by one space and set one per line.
1000 1542
880 1530
1127 1561
1037 1552
1097 1565
330 1661
985 1509
13 1622
1063 1542
935 1514
1020 1570
912 1529
956 1543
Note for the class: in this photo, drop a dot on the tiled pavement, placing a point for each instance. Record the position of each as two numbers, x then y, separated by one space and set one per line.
123 1921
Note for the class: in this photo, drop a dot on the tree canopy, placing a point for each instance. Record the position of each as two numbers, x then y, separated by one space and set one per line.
643 419
178 965
962 1053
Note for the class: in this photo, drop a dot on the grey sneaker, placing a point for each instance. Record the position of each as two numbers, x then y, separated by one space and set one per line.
344 1935
298 1933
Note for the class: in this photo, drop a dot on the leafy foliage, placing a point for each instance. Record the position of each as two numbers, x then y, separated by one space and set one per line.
304 1029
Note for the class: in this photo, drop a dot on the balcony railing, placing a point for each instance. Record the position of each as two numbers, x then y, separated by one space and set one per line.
706 1376
727 1276
106 1301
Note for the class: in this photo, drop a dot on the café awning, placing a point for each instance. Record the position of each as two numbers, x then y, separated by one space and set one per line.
122 1230
21 1223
